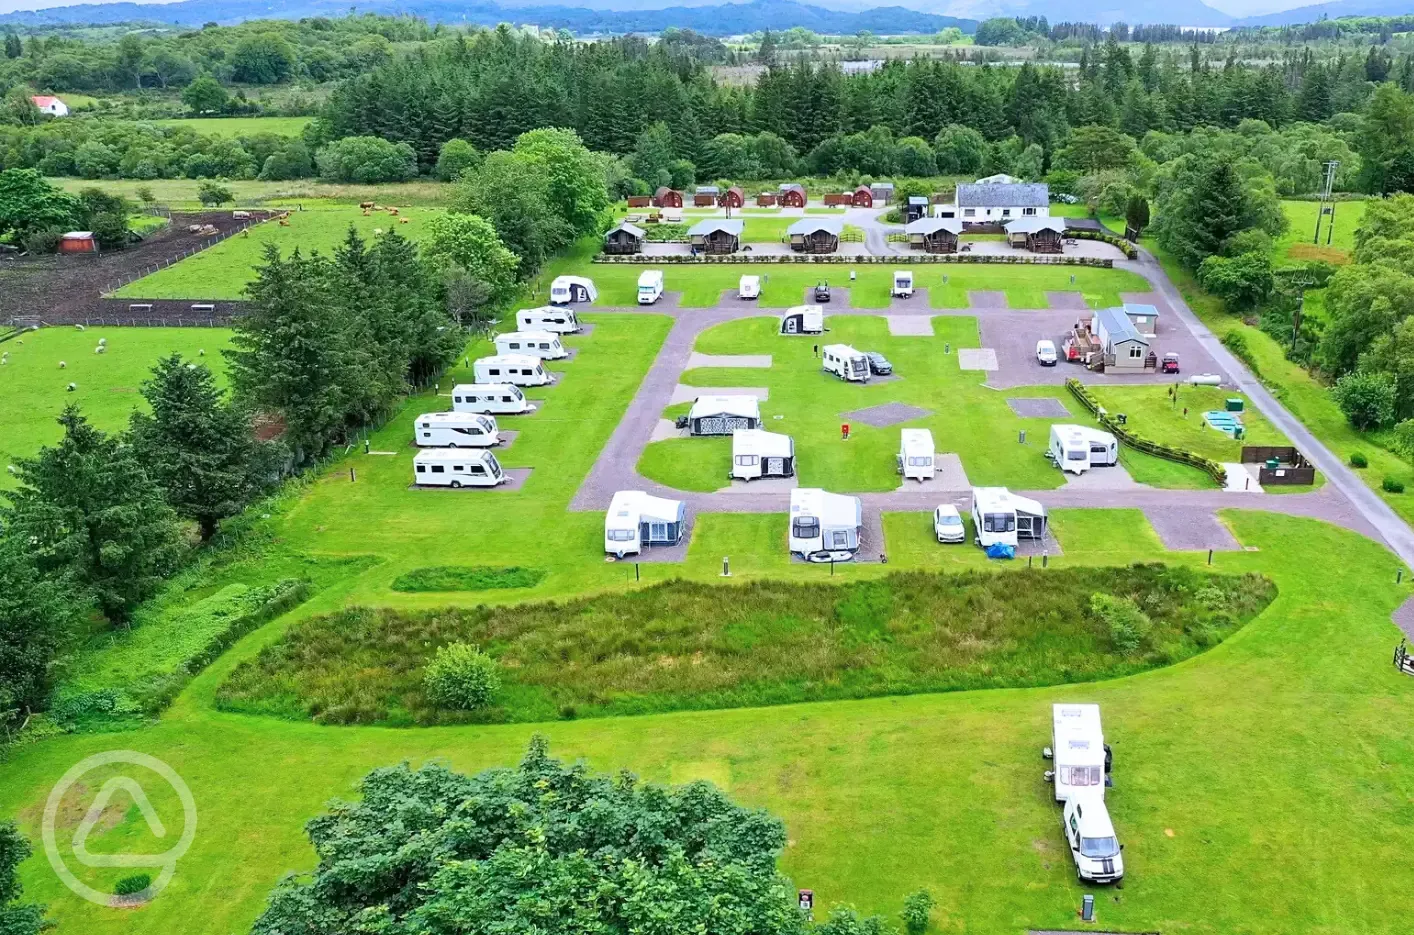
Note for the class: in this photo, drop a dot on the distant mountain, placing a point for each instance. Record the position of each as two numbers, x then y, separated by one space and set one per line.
1339 8
710 18
1102 12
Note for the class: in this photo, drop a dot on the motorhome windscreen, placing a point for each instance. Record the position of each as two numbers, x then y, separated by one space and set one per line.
999 522
805 527
1098 847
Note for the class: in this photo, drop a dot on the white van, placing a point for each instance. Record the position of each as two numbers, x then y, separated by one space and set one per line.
1091 837
556 320
455 430
516 369
541 344
915 454
824 525
567 289
845 362
903 284
1077 448
650 286
749 287
497 398
448 467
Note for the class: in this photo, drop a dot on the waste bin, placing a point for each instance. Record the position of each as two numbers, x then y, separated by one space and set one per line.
1234 404
1273 464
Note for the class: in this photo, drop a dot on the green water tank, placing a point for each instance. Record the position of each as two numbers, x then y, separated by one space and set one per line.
1234 404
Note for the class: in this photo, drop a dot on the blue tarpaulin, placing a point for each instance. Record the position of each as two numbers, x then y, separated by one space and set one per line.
1001 550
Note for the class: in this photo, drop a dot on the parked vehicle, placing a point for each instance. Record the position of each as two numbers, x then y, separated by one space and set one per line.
541 344
1090 834
637 519
915 454
1081 775
1077 448
516 369
749 287
650 286
497 398
824 524
567 289
552 318
803 319
879 364
903 284
822 292
845 362
1046 353
1001 517
756 453
450 467
1169 364
947 524
455 430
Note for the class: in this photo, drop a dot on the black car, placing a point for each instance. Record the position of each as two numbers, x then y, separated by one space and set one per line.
879 364
822 292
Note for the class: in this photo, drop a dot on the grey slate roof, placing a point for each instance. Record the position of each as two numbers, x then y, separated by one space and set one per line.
811 225
708 190
1118 326
711 225
1003 195
632 229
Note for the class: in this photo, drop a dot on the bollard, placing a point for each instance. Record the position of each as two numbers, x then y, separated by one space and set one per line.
1210 556
1045 559
352 476
1028 560
1399 576
636 575
365 446
1087 908
947 347
726 567
832 566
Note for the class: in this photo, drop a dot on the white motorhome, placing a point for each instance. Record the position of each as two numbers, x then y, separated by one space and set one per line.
1091 837
455 430
903 283
916 454
516 369
495 398
803 319
567 289
540 344
650 286
551 318
637 519
1000 516
845 362
449 467
824 524
749 287
1077 448
757 453
1078 750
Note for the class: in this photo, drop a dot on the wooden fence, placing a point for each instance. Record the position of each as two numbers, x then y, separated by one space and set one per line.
1292 467
1212 468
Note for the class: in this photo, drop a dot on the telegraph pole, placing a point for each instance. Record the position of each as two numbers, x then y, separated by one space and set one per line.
1327 204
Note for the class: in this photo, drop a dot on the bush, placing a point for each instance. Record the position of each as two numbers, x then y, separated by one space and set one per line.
1366 398
1358 460
455 157
467 578
42 241
1392 485
461 676
1129 625
1242 281
136 883
366 160
916 908
211 194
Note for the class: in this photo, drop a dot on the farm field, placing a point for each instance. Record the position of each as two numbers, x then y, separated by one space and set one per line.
33 387
224 270
239 126
181 193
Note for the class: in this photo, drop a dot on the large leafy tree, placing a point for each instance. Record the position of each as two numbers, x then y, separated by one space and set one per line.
1094 148
38 616
574 182
470 242
1386 141
545 847
16 917
514 196
29 203
88 508
197 445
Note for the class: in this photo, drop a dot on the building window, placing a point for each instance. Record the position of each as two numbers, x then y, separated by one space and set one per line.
969 212
1006 212
1135 351
1028 212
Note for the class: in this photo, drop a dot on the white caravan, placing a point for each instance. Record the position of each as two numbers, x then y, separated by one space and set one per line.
567 289
449 467
517 369
650 286
824 525
1078 749
757 453
903 284
1077 448
540 344
803 319
636 519
1000 516
496 398
1091 837
916 454
845 362
555 319
455 430
749 287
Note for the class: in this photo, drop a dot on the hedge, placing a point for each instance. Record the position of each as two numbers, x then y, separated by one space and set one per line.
933 258
1125 247
1212 468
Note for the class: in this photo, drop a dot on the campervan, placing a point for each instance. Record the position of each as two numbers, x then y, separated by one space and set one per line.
1077 448
636 519
903 283
553 319
455 430
749 287
650 286
845 362
540 344
567 289
1078 749
449 467
824 526
516 369
915 454
803 319
1091 837
756 453
1000 516
497 398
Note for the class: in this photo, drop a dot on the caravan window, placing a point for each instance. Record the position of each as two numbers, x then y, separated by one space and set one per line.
422 469
839 539
805 527
513 345
746 460
620 535
919 461
477 469
998 522
495 372
438 469
1074 455
457 399
1080 775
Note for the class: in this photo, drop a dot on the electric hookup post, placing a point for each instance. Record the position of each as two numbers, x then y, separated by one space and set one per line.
807 904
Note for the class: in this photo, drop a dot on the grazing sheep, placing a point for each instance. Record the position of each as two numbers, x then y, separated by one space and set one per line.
103 342
201 353
73 386
79 327
99 349
402 220
62 365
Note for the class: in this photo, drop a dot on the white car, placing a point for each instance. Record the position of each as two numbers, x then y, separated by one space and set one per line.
947 524
1092 841
1046 353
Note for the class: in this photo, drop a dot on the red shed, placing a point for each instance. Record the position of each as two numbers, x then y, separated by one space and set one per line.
862 197
667 197
78 242
766 200
733 197
639 201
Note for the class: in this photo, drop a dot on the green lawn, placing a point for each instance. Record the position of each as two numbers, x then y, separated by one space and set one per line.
1296 244
1155 415
223 271
33 386
240 126
766 229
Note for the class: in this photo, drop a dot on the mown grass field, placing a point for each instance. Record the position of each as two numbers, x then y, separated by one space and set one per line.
239 126
180 194
33 387
224 270
1296 244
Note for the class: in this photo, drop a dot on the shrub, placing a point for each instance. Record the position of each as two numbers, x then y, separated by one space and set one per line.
1241 281
366 160
136 883
1129 625
916 908
468 578
1366 397
1392 485
455 157
42 241
1358 460
211 194
461 676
